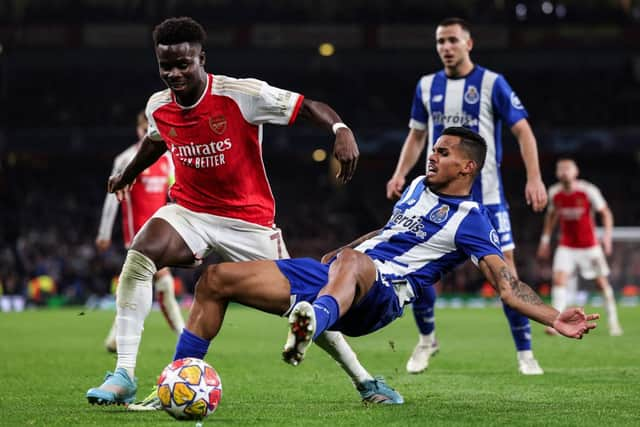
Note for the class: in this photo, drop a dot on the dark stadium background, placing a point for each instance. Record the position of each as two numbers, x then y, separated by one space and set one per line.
74 74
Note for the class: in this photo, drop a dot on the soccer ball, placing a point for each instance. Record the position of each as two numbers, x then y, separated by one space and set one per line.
189 389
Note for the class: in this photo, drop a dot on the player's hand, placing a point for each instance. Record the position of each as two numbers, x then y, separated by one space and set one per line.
574 323
117 185
102 245
535 194
544 251
345 150
394 187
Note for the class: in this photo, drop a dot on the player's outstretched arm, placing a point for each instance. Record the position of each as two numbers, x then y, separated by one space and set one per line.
330 255
572 323
535 192
409 155
149 152
345 148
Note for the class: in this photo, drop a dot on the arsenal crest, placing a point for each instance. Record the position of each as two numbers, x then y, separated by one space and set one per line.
218 124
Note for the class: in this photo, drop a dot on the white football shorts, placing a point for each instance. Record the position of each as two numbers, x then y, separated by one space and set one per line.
232 239
590 262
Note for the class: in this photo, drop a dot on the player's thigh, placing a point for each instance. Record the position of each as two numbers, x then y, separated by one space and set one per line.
351 277
565 260
592 263
183 238
162 243
258 284
243 241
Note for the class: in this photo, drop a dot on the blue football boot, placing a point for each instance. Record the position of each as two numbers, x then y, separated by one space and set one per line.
377 391
117 388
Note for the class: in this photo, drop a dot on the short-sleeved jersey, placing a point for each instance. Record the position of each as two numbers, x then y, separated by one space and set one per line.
147 195
429 234
576 209
481 101
216 145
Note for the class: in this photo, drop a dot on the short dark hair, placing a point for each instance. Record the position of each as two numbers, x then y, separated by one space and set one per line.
565 156
179 30
455 21
471 142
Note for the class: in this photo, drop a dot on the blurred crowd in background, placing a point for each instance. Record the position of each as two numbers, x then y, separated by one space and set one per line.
74 74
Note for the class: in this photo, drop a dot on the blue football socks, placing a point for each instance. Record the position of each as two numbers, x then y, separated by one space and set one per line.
423 310
327 312
190 345
520 328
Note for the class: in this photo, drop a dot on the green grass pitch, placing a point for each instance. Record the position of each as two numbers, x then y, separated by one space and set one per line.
49 358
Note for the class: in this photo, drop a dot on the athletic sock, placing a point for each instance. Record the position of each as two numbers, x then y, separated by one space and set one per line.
571 297
520 328
559 297
327 312
610 305
168 304
333 342
427 340
423 311
525 354
133 301
190 345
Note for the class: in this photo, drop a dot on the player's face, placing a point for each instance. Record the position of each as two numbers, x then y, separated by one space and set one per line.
182 68
453 45
446 162
566 171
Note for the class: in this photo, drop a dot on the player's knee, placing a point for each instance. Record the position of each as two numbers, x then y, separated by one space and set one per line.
348 256
137 267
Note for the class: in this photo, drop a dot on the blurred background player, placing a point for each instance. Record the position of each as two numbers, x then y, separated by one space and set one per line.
465 94
572 203
212 125
138 205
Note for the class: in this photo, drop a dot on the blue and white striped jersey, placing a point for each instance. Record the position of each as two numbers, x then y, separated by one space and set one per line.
481 101
430 234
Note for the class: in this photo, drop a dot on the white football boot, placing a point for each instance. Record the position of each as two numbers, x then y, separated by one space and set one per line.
302 327
419 360
528 365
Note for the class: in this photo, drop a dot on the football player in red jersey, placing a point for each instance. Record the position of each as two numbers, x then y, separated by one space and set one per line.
573 203
212 125
144 199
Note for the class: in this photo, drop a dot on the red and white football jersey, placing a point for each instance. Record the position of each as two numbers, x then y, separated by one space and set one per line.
576 210
216 145
147 195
